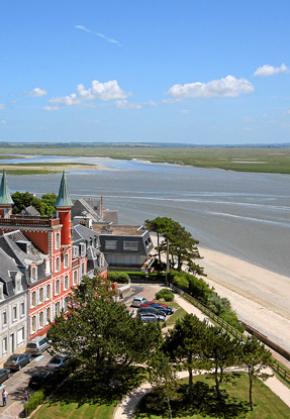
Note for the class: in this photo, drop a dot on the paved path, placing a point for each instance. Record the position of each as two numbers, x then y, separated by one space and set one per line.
127 407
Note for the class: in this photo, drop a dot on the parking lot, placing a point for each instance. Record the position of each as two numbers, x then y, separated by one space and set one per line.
18 383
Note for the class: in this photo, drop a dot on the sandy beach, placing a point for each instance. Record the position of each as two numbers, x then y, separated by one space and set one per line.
260 297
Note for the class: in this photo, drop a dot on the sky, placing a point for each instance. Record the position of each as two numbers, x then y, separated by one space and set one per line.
174 71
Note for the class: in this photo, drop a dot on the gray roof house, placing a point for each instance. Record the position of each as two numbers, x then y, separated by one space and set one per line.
94 209
13 306
125 246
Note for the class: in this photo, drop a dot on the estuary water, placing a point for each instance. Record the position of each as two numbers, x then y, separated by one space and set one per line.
246 215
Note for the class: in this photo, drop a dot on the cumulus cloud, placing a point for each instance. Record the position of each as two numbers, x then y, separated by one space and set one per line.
269 70
38 92
125 104
228 86
107 91
2 106
98 34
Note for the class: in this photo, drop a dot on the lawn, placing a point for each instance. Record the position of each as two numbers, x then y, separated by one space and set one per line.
177 315
267 404
74 411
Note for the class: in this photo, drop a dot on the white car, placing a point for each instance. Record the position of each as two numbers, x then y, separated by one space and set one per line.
138 301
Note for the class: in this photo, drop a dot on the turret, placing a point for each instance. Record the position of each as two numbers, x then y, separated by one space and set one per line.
6 201
63 206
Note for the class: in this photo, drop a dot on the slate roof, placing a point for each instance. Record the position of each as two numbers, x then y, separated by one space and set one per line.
82 207
31 211
5 197
84 233
8 269
63 199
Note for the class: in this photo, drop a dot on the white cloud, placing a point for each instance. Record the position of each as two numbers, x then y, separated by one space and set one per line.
107 91
269 70
228 86
51 108
2 106
38 92
98 34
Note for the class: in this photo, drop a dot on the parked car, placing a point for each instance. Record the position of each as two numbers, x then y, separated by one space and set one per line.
168 310
17 361
152 310
37 346
58 361
148 310
40 378
148 317
4 374
138 301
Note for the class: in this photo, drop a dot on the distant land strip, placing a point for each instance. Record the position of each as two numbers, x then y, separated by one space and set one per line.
266 159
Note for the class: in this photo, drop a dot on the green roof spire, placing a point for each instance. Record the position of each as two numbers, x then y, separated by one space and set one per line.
5 197
63 199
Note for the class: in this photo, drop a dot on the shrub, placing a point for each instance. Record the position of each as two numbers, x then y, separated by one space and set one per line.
120 277
35 400
165 294
180 281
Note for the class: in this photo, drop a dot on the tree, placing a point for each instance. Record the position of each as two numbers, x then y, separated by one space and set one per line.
185 344
222 350
44 205
99 332
256 357
182 246
163 375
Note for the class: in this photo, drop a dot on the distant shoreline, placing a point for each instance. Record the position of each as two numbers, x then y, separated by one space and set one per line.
240 159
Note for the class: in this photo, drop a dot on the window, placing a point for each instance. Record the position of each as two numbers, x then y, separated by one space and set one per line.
41 295
4 345
57 264
130 245
57 309
33 273
33 324
22 309
33 298
75 277
83 250
57 240
1 291
48 292
41 319
18 287
20 335
48 315
83 268
57 287
75 251
66 282
4 318
14 313
111 244
66 260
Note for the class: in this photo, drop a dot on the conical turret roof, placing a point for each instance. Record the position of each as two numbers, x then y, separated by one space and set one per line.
63 199
5 197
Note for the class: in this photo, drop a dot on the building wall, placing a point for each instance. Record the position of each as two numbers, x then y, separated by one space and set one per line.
13 334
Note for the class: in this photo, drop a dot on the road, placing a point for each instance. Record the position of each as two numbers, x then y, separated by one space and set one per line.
17 384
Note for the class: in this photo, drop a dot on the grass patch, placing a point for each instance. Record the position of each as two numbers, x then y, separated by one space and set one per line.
244 159
203 403
177 315
74 411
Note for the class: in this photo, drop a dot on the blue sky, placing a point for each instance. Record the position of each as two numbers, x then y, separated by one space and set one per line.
201 72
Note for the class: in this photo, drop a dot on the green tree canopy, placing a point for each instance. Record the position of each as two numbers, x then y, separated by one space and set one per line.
99 332
44 205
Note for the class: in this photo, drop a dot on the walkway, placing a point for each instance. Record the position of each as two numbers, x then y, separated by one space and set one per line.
127 407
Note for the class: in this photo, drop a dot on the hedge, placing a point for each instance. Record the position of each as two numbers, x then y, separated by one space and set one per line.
165 294
120 277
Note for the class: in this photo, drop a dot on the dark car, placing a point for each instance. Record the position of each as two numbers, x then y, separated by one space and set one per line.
4 374
152 310
40 378
17 361
168 310
58 361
